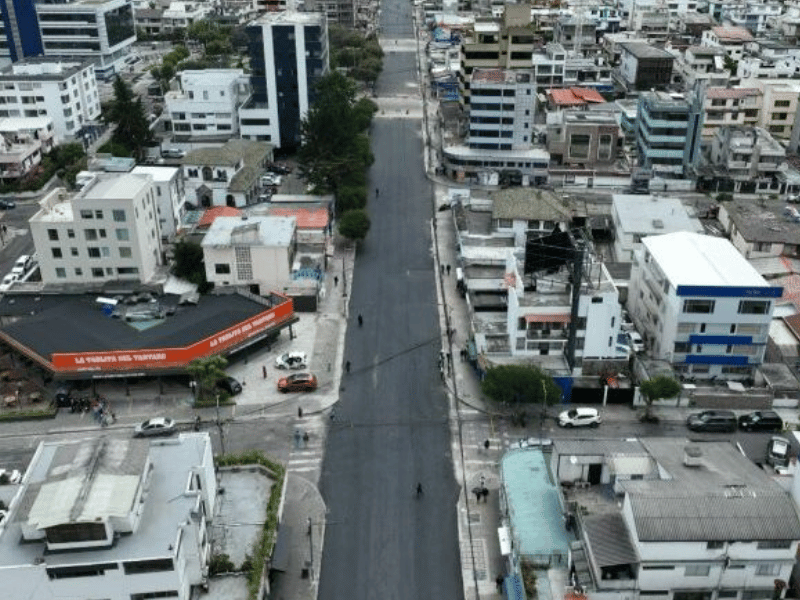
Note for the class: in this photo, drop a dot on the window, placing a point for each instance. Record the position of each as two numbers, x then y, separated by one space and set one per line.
122 235
148 566
94 252
52 235
727 594
71 233
119 215
658 567
56 252
127 271
682 348
98 214
105 251
604 147
80 571
90 234
696 570
754 307
768 569
125 252
775 545
691 596
222 269
78 272
782 103
97 272
698 306
579 145
102 233
61 272
779 116
73 251
149 595
714 545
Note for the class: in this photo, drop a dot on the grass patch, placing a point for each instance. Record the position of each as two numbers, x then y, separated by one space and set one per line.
25 415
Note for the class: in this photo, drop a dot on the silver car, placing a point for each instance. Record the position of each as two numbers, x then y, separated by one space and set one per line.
292 360
155 427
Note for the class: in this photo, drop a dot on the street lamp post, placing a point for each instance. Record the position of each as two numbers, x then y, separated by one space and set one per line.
344 279
219 426
311 548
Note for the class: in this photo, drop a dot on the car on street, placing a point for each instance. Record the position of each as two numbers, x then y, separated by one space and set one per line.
230 385
636 341
291 360
7 204
13 476
271 179
297 382
9 280
580 417
761 420
173 153
155 427
712 421
23 263
778 451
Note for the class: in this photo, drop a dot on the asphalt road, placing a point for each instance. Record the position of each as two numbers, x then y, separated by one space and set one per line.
391 429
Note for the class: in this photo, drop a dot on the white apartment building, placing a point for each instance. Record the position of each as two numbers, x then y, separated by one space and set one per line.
700 305
731 39
109 231
288 55
503 109
701 63
555 67
23 141
253 252
122 519
207 104
180 15
99 31
64 91
170 196
752 15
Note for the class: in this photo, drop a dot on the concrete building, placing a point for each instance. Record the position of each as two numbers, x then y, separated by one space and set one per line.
724 106
20 36
635 217
701 64
343 12
759 229
576 34
668 133
170 196
257 253
752 15
731 39
700 305
23 141
461 161
643 66
206 107
227 175
124 519
180 15
747 159
779 105
64 91
100 32
502 111
108 231
555 67
288 54
585 138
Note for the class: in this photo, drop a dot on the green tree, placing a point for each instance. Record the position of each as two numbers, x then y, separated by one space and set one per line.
364 110
351 197
519 385
354 224
164 74
128 115
189 264
658 388
206 372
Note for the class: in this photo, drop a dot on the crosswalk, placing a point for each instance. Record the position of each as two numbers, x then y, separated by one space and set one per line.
308 449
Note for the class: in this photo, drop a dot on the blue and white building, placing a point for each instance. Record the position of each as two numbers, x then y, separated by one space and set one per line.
288 55
700 305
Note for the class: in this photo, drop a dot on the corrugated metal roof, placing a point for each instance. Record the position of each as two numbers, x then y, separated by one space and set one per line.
521 203
609 540
307 218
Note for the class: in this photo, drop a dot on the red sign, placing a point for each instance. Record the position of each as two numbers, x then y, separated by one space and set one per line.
170 358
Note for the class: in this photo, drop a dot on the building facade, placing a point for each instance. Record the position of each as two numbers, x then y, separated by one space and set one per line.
19 31
288 55
585 138
109 231
502 111
23 141
643 66
700 305
668 135
170 196
748 158
66 92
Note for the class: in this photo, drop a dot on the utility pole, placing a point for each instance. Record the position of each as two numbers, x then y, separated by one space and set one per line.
577 279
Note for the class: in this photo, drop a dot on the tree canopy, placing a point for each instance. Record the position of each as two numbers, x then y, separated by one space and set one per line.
189 264
658 388
354 224
206 373
521 385
127 113
361 56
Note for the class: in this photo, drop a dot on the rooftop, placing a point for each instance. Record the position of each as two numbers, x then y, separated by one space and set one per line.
528 204
693 259
645 50
509 76
229 154
307 218
648 215
211 214
732 34
250 231
757 222
43 69
575 96
718 93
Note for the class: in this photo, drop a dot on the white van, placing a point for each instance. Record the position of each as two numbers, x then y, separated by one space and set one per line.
22 265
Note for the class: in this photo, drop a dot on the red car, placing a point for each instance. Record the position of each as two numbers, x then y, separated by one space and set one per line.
299 382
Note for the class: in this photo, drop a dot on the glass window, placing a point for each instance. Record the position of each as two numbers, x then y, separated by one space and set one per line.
90 234
698 306
122 235
52 235
73 251
696 570
98 214
94 252
754 307
97 272
125 252
771 569
61 272
56 252
87 214
78 272
70 233
119 215
222 269
579 145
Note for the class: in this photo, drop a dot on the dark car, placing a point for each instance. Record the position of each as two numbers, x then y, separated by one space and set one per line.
761 420
7 204
63 397
712 420
299 382
779 451
230 385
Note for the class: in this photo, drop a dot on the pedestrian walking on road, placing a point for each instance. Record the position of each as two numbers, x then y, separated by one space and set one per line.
347 366
264 371
448 269
441 268
377 192
419 490
335 281
360 320
486 445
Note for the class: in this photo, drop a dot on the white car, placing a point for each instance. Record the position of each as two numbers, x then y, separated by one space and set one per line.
636 341
292 360
580 417
12 477
271 179
8 281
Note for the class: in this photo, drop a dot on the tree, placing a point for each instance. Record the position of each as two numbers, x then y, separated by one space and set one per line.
520 384
657 388
189 264
128 114
354 224
206 372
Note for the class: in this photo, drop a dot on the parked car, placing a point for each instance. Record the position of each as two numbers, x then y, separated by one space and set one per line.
155 427
298 382
271 179
291 360
636 341
173 153
23 263
778 451
627 324
13 476
580 417
230 385
761 420
63 397
712 420
9 280
7 204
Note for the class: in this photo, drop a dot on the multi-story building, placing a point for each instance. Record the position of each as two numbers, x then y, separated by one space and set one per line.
700 305
100 32
227 175
779 105
694 24
753 16
23 141
788 23
731 39
669 128
207 104
108 231
727 106
115 518
343 12
20 36
702 64
643 66
251 252
66 92
149 20
502 111
585 138
746 159
288 55
180 15
576 34
555 67
170 196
